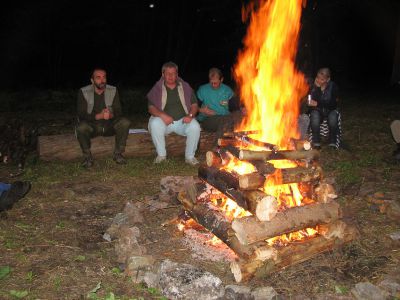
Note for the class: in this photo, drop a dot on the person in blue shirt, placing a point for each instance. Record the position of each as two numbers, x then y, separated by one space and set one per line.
215 98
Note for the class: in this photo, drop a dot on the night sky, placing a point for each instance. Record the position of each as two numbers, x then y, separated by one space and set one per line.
55 44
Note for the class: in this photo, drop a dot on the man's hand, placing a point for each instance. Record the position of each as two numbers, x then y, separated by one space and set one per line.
187 119
312 103
167 119
208 112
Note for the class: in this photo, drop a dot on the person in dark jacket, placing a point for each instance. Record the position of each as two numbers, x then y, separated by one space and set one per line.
323 105
10 193
99 113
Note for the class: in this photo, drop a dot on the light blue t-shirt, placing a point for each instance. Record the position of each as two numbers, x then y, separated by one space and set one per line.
215 99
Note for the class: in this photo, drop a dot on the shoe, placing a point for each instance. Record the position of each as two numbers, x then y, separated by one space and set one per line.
17 191
160 159
119 159
316 146
87 162
333 146
192 161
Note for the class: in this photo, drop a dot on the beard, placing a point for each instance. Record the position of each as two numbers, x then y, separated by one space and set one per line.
100 86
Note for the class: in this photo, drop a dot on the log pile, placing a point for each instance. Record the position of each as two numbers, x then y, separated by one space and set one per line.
253 235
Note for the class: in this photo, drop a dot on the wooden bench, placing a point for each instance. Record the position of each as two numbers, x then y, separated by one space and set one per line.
66 147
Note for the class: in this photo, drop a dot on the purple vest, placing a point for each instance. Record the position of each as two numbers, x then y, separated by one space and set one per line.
158 94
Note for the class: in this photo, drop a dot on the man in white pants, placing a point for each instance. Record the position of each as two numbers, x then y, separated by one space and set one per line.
173 107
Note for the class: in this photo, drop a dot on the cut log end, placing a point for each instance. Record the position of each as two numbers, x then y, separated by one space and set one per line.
267 208
236 271
266 252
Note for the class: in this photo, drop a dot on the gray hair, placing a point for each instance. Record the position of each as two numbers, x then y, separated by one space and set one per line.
325 72
169 64
215 71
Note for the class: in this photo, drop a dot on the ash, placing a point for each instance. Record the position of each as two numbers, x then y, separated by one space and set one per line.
201 247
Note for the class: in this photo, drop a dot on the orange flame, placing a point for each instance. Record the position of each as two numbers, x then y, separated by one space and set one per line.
270 86
228 206
285 239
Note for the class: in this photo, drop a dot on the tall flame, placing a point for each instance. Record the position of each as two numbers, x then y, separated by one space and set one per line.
270 86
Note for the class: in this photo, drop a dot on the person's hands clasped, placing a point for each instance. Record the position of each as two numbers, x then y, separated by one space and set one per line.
208 112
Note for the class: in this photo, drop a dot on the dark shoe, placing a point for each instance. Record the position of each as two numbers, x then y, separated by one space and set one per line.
17 191
87 162
119 159
396 153
316 146
333 146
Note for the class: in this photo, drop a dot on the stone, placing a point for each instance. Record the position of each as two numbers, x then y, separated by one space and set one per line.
127 244
134 212
264 293
152 279
172 185
237 292
393 211
135 263
368 291
184 281
395 236
391 287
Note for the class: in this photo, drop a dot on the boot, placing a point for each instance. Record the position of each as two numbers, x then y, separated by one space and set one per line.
396 153
119 158
87 160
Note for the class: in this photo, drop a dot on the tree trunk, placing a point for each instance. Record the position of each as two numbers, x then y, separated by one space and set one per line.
249 230
66 146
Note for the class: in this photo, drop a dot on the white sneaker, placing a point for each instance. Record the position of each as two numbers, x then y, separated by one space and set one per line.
192 161
160 159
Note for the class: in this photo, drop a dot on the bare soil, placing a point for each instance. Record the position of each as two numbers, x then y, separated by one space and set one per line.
52 239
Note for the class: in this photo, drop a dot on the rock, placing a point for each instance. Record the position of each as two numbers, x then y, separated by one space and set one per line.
393 211
184 281
172 185
120 219
395 236
264 293
237 292
127 244
391 287
152 279
135 263
368 291
134 212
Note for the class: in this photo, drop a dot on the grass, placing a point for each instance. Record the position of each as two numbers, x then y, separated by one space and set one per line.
51 245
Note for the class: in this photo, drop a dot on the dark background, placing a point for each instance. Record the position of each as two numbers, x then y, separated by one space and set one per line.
55 44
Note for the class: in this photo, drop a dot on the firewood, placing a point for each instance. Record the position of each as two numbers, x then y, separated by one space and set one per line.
292 254
299 174
66 146
215 222
272 155
250 141
241 133
249 230
213 159
324 192
264 168
229 141
300 144
263 206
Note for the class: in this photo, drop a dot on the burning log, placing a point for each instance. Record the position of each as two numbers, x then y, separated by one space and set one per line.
294 253
215 222
299 174
284 154
264 168
250 141
325 192
241 133
229 141
249 230
300 144
249 181
263 206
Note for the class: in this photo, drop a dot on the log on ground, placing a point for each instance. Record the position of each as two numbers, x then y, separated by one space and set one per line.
66 147
249 230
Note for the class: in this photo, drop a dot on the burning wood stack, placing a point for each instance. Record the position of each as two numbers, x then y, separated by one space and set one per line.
262 192
271 211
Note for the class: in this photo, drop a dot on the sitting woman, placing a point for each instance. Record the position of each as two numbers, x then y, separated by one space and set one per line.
215 97
323 105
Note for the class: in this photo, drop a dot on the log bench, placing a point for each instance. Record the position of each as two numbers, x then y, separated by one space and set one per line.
66 147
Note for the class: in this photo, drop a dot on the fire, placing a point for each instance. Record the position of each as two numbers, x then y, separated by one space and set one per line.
238 166
228 206
270 86
285 239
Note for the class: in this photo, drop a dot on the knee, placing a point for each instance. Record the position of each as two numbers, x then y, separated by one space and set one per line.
123 124
83 128
156 125
194 127
333 117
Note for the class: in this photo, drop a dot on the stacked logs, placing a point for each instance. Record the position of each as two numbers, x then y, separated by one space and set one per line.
247 236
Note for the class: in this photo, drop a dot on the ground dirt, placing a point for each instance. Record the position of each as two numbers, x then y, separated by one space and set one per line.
52 239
